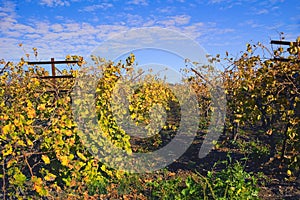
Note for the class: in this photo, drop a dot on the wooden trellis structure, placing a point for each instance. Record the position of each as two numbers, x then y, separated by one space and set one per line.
286 43
52 62
53 68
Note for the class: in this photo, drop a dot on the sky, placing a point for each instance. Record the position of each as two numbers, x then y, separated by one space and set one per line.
61 27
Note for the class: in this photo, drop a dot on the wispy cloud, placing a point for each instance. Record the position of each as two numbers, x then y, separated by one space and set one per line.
58 39
233 1
268 4
176 20
252 23
166 9
225 4
172 1
54 3
95 7
262 11
8 17
219 1
7 7
138 2
56 36
51 39
133 20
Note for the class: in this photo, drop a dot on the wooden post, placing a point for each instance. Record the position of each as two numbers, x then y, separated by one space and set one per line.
53 66
53 71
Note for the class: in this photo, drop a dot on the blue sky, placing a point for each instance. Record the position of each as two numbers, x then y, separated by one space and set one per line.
61 27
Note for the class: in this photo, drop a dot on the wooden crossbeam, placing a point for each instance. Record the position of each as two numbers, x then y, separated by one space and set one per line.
53 68
54 91
283 42
285 60
50 77
52 62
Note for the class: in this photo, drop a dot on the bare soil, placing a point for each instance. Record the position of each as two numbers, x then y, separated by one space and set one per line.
275 185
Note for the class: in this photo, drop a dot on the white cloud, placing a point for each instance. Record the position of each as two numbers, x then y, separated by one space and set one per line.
138 2
57 28
205 31
52 39
269 4
92 8
234 1
133 20
167 9
172 1
32 36
56 40
8 7
7 12
54 3
262 11
227 4
176 20
218 1
252 24
149 23
276 1
8 19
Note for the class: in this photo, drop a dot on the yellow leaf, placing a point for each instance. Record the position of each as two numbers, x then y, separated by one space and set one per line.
4 117
289 173
103 168
29 130
46 159
11 162
7 152
81 156
38 186
239 115
31 113
41 107
290 112
64 160
258 117
269 132
6 129
21 143
131 107
133 116
29 142
17 123
50 177
68 132
236 120
69 123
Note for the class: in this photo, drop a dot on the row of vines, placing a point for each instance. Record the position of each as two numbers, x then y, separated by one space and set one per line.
41 149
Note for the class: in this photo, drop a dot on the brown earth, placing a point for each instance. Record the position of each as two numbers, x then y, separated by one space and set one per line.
275 185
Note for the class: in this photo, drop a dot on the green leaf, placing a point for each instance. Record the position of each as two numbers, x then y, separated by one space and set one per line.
19 178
